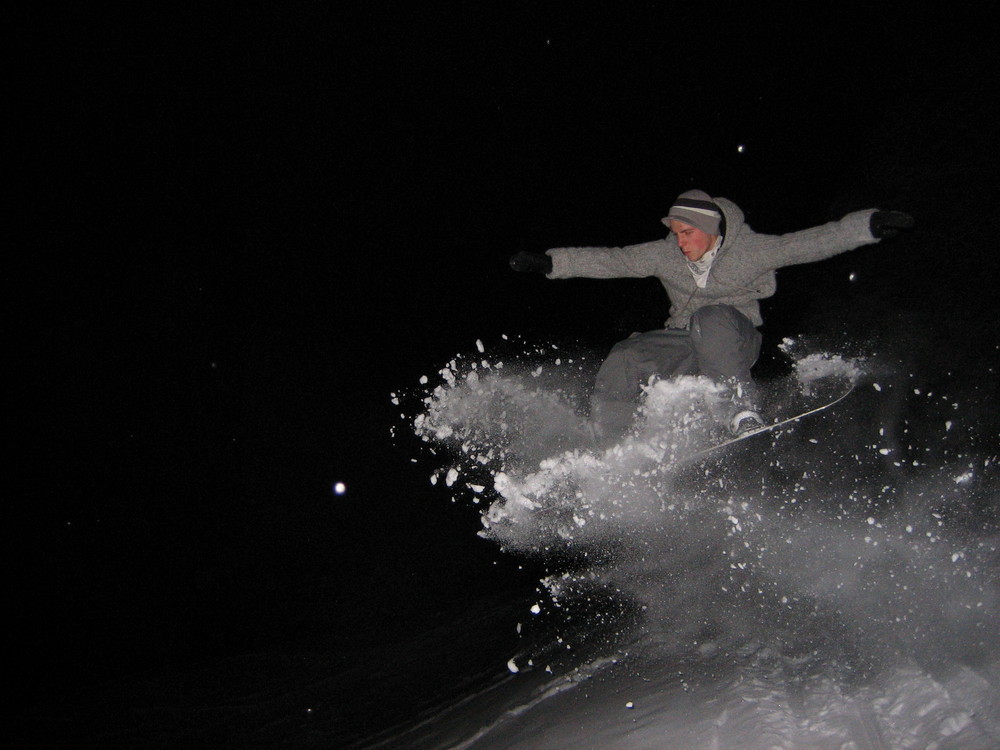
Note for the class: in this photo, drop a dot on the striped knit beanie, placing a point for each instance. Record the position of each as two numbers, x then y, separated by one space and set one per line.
696 208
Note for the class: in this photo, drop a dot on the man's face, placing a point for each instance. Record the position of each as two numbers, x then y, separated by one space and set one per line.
693 242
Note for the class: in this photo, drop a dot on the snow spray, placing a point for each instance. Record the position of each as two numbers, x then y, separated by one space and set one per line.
848 546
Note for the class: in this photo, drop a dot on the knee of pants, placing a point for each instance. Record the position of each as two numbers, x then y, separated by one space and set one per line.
724 338
710 321
624 352
623 371
615 369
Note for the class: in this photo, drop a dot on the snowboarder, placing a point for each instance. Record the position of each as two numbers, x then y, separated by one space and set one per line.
714 268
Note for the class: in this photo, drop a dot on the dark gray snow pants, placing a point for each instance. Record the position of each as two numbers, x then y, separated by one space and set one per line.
720 343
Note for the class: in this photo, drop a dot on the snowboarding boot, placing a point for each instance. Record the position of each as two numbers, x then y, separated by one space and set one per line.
744 421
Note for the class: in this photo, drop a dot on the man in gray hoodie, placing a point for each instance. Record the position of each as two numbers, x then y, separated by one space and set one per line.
714 268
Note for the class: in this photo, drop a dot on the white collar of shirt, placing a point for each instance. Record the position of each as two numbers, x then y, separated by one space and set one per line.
700 268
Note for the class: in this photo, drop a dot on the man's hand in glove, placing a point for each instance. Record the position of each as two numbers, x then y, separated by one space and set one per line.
888 223
531 262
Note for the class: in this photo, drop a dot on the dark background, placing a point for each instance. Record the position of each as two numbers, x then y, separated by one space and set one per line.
240 232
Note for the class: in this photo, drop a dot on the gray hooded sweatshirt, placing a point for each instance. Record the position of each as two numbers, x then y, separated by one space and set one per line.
743 270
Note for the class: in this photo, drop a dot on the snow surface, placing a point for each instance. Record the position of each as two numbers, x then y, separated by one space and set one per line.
833 585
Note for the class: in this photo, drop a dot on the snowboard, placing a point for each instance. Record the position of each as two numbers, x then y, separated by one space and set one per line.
768 428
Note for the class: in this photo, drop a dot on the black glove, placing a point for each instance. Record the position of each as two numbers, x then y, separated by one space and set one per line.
888 223
532 262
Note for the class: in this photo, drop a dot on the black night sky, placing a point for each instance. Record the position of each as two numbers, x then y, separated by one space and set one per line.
240 232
